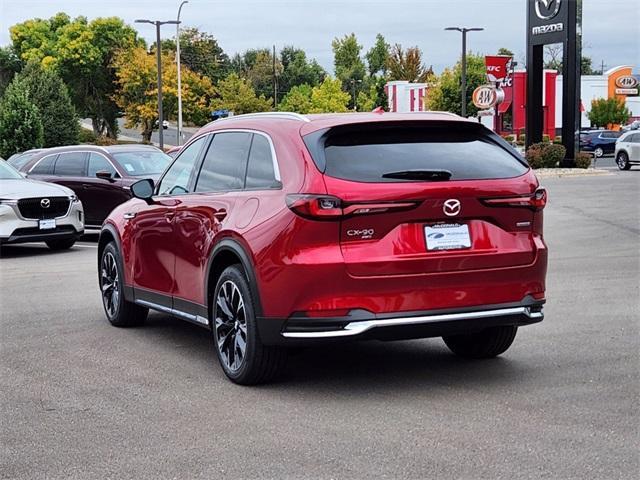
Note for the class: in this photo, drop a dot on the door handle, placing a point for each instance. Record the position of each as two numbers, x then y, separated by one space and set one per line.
220 214
85 186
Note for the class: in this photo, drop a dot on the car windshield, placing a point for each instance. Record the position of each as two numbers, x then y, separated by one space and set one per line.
18 161
138 163
7 172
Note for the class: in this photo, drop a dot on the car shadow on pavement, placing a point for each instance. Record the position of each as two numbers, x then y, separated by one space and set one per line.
17 251
358 367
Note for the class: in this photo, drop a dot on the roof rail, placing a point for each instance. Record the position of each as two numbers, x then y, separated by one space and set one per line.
284 115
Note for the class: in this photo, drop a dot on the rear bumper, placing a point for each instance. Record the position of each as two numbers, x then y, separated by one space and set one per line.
361 324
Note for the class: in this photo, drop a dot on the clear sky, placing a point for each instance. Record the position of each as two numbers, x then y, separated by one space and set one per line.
611 28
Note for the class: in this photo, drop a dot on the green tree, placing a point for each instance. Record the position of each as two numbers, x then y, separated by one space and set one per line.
505 51
378 56
49 93
445 93
82 53
260 74
606 112
367 98
407 65
20 121
297 100
237 95
346 59
329 97
200 52
553 61
10 64
296 70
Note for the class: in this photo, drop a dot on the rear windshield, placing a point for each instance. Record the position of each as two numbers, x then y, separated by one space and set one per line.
19 161
386 154
141 163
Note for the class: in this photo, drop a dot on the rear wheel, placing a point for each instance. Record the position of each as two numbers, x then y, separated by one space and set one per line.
622 160
487 343
243 357
120 312
61 244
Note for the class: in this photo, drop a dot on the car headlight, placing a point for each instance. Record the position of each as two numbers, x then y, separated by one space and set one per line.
8 201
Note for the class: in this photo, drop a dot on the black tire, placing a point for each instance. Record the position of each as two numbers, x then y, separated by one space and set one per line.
487 343
622 160
233 323
61 244
119 311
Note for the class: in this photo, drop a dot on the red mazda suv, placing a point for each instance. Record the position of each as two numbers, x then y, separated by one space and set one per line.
276 230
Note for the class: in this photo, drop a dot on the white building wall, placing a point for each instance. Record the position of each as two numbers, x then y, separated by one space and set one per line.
591 88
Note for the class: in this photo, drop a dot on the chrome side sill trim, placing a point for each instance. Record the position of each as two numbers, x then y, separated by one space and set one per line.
174 312
356 328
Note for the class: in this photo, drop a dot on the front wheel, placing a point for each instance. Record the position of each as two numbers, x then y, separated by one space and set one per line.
598 152
61 244
119 311
622 160
487 343
243 357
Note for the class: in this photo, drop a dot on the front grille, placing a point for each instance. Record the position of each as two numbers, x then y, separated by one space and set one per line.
33 207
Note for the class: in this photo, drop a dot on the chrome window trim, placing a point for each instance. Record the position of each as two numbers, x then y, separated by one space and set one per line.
40 160
102 154
358 327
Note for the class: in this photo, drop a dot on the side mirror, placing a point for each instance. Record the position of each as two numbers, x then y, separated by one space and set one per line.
104 175
143 189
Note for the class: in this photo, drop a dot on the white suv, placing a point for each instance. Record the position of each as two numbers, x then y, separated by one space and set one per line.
32 211
628 150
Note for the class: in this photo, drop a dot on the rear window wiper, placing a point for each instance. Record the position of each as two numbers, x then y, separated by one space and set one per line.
427 175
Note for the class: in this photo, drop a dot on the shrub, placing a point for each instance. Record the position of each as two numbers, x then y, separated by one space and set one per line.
49 93
87 136
583 160
510 138
522 138
546 138
545 155
20 122
105 141
557 140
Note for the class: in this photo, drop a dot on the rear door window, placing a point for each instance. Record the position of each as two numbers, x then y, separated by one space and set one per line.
397 154
225 163
72 164
44 166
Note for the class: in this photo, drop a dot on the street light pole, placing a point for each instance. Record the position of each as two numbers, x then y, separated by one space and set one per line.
353 86
463 62
179 132
158 24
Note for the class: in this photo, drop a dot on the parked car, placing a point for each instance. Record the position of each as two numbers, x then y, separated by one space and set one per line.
278 230
599 142
99 176
628 150
32 211
165 124
173 151
635 125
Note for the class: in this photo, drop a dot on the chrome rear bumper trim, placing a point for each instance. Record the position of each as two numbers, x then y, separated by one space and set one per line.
356 328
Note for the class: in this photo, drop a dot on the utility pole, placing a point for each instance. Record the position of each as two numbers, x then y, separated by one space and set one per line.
158 24
275 81
353 92
179 131
463 62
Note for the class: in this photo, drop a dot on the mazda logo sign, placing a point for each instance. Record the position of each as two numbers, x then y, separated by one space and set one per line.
451 207
45 203
547 9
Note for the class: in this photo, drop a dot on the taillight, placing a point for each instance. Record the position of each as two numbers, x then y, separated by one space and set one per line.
328 207
536 201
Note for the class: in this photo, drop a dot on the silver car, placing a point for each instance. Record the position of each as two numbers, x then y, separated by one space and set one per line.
33 211
628 150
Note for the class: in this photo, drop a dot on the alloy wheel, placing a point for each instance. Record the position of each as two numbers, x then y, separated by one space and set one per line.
598 152
230 326
109 284
622 161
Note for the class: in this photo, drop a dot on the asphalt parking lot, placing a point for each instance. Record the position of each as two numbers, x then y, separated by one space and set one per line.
81 399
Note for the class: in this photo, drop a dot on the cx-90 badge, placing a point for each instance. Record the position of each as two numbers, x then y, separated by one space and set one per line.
451 207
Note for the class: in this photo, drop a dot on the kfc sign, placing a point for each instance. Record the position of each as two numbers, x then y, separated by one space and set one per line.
497 67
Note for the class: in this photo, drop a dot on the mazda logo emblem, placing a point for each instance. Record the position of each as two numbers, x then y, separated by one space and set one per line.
547 9
45 203
451 207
